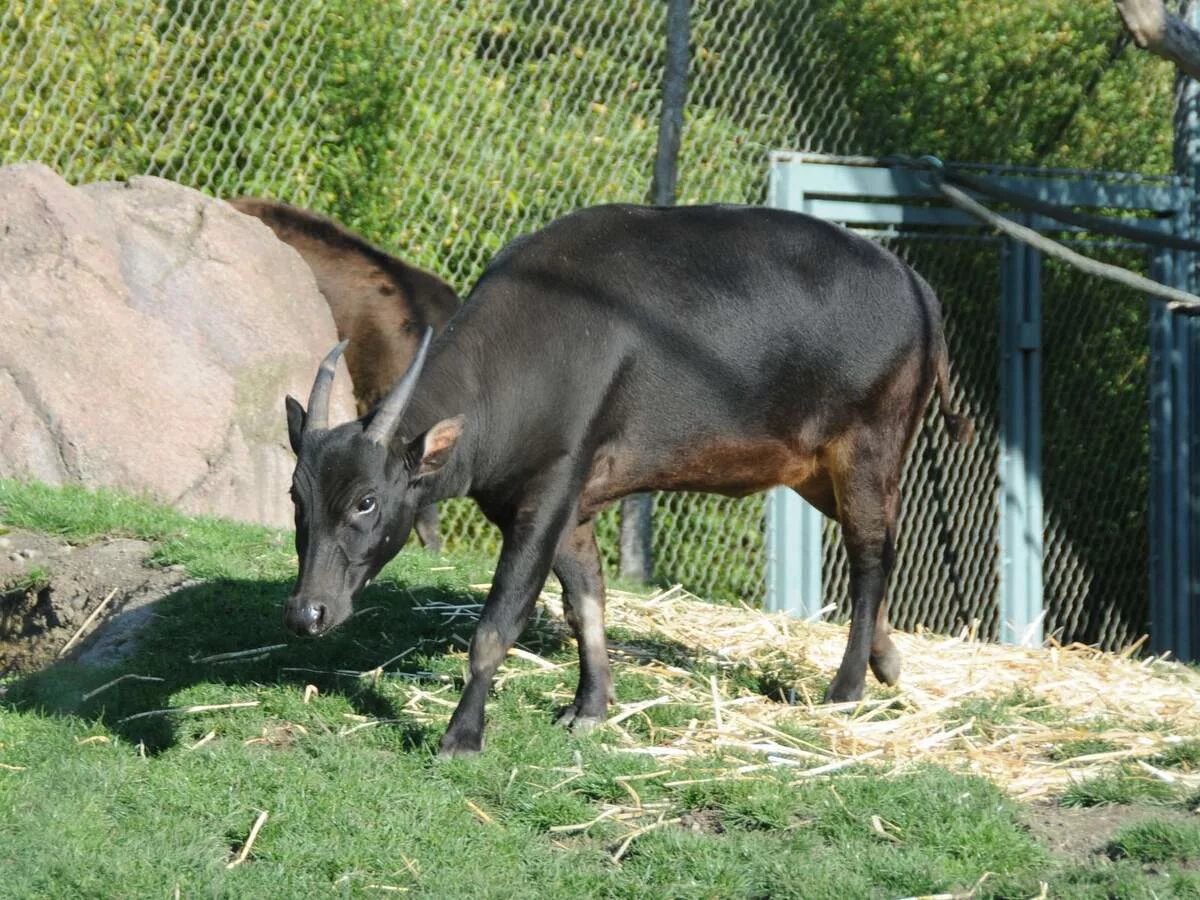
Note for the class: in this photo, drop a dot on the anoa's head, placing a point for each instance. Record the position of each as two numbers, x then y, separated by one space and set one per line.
356 495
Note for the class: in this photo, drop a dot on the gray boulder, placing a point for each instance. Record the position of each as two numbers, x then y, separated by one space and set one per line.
148 335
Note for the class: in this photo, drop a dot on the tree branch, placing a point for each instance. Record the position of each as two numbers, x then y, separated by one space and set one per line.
1153 27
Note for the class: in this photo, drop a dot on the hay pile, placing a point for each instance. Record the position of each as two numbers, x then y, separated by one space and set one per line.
994 710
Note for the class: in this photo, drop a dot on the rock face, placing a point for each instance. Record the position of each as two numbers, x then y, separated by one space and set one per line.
148 335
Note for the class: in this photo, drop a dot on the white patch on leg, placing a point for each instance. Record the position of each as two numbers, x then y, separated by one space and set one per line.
591 621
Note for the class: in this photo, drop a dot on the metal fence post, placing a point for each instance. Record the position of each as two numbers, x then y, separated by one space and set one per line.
1174 502
793 555
1020 468
1160 503
1174 401
635 549
793 526
1190 439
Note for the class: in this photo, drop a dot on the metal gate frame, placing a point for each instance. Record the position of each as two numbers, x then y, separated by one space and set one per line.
879 201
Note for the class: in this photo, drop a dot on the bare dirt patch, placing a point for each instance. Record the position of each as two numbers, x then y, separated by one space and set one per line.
94 597
1082 835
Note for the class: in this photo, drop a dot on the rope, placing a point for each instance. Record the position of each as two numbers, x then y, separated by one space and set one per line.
1177 299
1062 214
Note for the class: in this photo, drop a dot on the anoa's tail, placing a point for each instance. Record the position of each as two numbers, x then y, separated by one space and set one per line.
960 427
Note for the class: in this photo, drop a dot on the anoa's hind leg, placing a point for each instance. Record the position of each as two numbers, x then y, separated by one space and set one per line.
868 501
885 658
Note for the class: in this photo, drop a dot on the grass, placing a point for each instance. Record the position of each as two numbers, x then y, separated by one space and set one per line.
97 799
30 581
1184 755
990 712
1124 785
1158 841
1068 750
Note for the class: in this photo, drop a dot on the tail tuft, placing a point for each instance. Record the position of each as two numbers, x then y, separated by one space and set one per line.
960 428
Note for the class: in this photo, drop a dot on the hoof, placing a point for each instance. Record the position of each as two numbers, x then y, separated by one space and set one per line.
838 692
453 747
887 667
570 717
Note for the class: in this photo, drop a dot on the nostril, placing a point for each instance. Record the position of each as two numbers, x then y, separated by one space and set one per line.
315 616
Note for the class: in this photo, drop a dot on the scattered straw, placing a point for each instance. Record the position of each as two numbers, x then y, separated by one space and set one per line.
968 895
1040 699
633 709
638 832
716 702
480 814
87 622
877 826
204 740
538 661
208 707
584 826
370 724
250 838
250 655
1169 777
104 687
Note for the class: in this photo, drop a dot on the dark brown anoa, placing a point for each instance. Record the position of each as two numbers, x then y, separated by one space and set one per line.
624 349
380 303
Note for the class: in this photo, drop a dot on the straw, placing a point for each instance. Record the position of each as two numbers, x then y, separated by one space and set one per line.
1046 697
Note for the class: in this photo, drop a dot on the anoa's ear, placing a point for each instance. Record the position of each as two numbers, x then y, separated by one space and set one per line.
431 450
295 420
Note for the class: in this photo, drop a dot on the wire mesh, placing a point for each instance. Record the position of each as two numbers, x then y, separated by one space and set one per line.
201 93
1095 453
441 130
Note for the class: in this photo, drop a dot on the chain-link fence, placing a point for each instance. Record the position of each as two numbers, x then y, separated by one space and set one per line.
1096 452
442 129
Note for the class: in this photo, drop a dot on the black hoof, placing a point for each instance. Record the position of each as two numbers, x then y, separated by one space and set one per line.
455 746
570 717
887 667
843 693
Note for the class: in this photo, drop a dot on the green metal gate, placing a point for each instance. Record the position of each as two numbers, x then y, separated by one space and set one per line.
1074 513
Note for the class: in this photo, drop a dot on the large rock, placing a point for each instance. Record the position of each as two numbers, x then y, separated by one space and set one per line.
148 335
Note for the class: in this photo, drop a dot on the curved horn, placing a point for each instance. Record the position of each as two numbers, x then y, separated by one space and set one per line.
318 399
387 416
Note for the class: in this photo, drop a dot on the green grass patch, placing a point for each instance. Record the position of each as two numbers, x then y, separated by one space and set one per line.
991 714
1158 841
1124 785
142 790
29 581
1082 747
1184 755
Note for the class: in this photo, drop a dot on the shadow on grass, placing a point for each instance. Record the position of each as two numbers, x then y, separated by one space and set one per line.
191 629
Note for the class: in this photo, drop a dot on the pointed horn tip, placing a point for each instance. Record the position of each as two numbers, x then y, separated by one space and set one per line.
388 414
329 363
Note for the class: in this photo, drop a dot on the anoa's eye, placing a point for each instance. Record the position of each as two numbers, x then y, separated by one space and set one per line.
365 505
